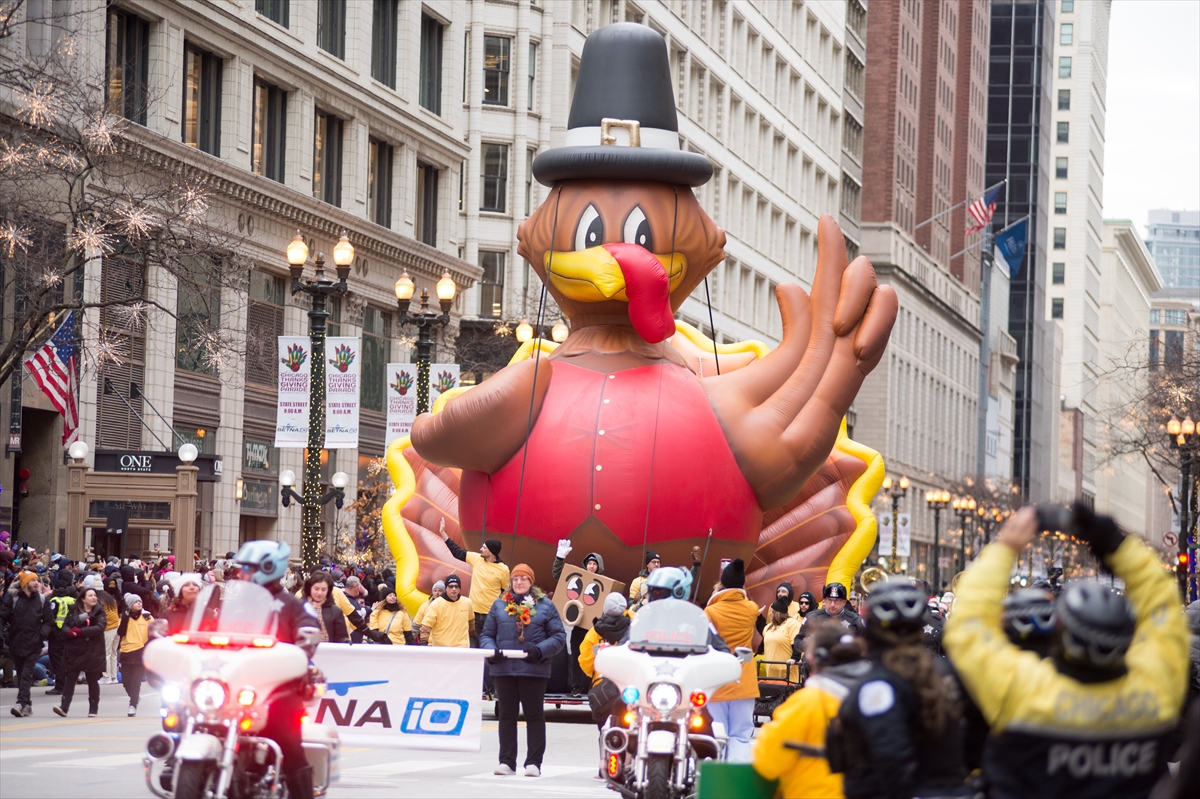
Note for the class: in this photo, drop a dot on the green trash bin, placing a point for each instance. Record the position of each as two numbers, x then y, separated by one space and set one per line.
720 780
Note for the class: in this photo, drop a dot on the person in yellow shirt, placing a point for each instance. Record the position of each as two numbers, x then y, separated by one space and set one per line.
449 620
438 590
134 632
778 635
835 657
489 574
732 614
390 620
610 629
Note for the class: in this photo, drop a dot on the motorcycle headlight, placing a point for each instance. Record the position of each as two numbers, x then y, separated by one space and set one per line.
209 695
170 693
664 697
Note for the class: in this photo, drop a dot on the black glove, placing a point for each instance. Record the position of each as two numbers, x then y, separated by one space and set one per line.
496 657
532 654
1100 532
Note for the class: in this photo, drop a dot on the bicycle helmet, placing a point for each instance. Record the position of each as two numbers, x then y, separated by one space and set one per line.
669 582
1096 627
896 605
267 561
1028 616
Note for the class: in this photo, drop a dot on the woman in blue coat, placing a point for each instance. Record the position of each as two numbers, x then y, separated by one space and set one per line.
522 618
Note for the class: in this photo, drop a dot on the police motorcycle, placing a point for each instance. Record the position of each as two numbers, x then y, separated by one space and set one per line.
654 741
219 673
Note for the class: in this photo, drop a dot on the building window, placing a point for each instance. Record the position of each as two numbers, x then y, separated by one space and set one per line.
1056 308
269 135
462 183
1066 33
333 324
331 27
427 203
1175 316
122 281
495 70
327 159
495 178
1059 273
201 100
264 324
1064 132
1064 66
529 154
491 285
127 65
1064 99
1155 316
197 317
383 42
1060 202
1060 167
532 72
379 182
274 10
377 351
431 64
1060 238
1068 6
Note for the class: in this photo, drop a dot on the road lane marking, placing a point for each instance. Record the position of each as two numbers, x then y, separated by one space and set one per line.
384 769
12 754
106 761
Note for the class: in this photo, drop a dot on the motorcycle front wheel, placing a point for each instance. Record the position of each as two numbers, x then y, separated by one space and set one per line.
192 778
658 777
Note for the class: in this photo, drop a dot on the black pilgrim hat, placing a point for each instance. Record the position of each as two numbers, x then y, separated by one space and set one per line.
623 123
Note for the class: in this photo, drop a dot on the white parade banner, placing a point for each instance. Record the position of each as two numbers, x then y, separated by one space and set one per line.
291 413
885 535
401 393
403 697
904 540
343 379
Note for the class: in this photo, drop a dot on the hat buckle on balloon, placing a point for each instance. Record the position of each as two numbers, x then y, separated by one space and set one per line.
638 432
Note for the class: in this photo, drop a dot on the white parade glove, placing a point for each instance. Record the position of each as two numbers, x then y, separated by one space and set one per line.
564 548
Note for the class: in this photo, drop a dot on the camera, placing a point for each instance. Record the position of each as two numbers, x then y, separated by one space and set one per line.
1056 519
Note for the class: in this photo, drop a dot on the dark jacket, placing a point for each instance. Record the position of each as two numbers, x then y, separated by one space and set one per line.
557 567
847 618
85 651
25 621
335 621
545 631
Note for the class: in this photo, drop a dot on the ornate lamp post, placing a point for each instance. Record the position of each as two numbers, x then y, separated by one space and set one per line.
895 489
937 502
425 320
320 288
964 509
1184 439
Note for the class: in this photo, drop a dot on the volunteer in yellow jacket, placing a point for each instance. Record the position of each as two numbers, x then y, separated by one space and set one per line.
449 620
390 622
835 660
134 632
733 614
1093 719
489 574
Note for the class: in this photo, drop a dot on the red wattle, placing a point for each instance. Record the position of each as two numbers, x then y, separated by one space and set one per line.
648 290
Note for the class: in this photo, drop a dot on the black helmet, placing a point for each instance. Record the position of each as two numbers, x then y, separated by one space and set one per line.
896 605
1029 616
1096 627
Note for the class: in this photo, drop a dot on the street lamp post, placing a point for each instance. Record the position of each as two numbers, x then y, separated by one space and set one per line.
425 320
965 510
320 288
1184 439
895 489
937 501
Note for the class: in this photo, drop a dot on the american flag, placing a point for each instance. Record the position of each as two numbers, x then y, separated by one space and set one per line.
53 368
982 209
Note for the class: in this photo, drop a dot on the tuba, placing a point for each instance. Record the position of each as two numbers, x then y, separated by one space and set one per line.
870 576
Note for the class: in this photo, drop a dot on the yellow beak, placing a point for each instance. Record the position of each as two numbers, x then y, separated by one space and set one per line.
593 275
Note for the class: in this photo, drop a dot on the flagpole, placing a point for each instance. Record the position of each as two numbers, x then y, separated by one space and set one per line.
958 205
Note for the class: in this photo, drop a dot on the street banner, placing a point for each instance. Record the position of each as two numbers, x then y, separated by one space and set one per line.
401 393
291 414
402 697
904 540
1010 246
885 535
343 379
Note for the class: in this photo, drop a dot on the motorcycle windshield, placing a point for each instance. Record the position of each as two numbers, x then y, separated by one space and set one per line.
669 627
241 608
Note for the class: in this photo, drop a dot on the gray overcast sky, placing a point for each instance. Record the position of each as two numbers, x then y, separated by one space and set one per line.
1152 132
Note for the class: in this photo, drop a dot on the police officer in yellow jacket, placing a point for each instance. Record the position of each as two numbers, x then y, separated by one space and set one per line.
1092 719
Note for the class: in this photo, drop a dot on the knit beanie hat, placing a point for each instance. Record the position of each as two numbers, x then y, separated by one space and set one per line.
452 579
130 599
493 545
651 555
25 578
734 575
438 586
781 605
614 604
522 569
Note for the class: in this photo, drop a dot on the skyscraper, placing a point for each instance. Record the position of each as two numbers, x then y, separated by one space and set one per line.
1018 136
1173 238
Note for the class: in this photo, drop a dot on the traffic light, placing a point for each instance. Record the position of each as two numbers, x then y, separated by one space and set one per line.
1181 565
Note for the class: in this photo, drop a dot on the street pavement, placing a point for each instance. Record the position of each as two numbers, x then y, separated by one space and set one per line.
44 756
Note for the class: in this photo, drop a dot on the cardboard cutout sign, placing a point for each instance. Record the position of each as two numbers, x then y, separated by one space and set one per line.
580 594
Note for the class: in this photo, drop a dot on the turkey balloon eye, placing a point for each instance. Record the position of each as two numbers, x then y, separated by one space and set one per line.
637 229
590 232
574 584
592 593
